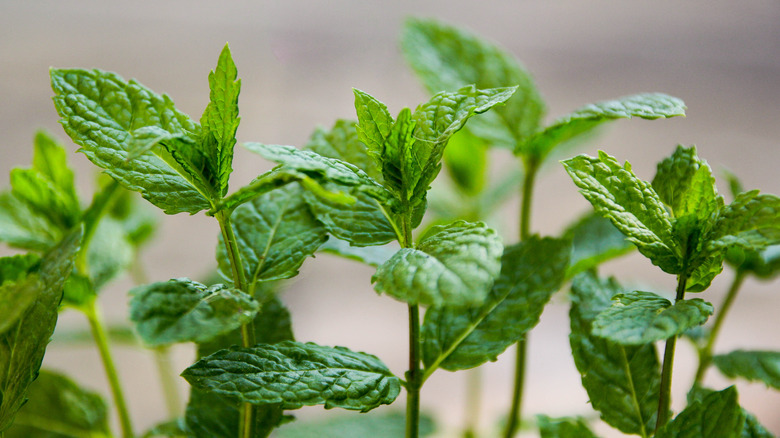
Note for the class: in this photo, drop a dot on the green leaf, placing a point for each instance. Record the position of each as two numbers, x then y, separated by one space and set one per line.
752 427
457 338
219 121
637 318
447 58
565 427
466 159
183 310
262 184
379 425
130 131
762 366
718 415
763 264
24 228
374 125
110 252
18 290
371 255
622 382
342 142
594 240
275 233
59 408
584 120
296 375
454 265
751 221
630 203
23 345
685 183
172 428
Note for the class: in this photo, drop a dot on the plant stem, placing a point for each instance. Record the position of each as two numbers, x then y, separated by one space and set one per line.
515 412
413 375
168 381
665 396
101 339
247 411
91 218
473 401
705 355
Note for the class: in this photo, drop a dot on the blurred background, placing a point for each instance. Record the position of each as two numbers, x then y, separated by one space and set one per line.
298 61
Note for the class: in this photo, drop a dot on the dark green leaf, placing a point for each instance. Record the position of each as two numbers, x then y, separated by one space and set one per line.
379 425
457 338
454 265
173 428
594 240
182 310
752 221
622 381
751 429
763 264
370 255
23 345
630 203
128 130
762 366
220 120
565 427
637 318
59 408
718 415
447 58
295 375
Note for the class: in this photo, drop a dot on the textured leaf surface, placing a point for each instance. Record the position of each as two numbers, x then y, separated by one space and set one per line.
454 265
594 240
370 255
23 345
183 310
342 142
751 221
685 183
622 382
295 375
113 119
646 106
59 408
762 366
379 425
630 203
565 427
275 233
447 58
637 318
718 415
458 338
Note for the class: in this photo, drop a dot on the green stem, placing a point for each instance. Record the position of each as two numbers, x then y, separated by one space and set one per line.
515 412
473 402
91 218
247 411
665 396
101 339
162 358
413 383
705 355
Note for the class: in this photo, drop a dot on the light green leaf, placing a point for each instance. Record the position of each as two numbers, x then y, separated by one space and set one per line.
110 252
454 265
342 142
762 366
379 425
630 203
174 428
594 240
685 183
374 125
59 408
182 310
457 338
751 221
24 228
566 427
718 415
447 58
622 382
466 159
296 375
637 318
220 120
763 264
275 233
18 289
370 255
23 345
111 119
584 120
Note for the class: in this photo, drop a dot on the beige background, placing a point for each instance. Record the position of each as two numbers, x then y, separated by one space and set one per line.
298 61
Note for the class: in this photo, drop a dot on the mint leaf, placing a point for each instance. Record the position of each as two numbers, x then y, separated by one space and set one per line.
454 265
342 142
110 252
630 203
18 290
565 427
374 125
751 429
172 428
182 310
24 228
763 264
370 255
685 183
130 131
275 233
219 121
379 425
718 415
59 408
594 240
455 338
447 58
296 375
637 318
466 159
763 366
647 106
751 221
622 382
23 345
